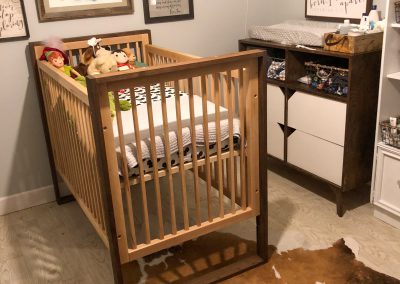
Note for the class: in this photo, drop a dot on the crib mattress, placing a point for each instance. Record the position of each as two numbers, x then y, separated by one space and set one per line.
294 32
141 106
129 135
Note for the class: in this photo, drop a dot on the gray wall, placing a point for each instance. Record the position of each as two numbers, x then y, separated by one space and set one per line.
23 157
216 28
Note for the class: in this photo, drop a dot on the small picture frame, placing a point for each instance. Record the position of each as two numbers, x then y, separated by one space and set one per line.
160 11
13 23
59 10
337 10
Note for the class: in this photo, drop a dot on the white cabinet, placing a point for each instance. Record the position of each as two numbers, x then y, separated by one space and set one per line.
387 185
276 119
386 175
317 156
318 116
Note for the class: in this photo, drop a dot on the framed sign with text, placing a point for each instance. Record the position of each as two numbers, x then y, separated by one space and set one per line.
13 24
58 10
337 10
159 11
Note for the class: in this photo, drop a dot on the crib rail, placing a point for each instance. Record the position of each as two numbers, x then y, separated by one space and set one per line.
70 126
152 221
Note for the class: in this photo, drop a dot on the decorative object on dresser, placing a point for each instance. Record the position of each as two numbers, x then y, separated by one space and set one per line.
386 175
320 134
167 11
13 24
59 10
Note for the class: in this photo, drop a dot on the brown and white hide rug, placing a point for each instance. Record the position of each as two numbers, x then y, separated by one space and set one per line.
182 264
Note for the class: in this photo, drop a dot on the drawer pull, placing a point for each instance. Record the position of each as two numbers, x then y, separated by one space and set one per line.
398 183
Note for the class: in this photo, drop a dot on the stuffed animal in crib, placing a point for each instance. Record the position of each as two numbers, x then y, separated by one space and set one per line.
94 50
122 60
104 62
57 60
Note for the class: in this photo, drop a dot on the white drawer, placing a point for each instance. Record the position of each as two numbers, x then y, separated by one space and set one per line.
275 104
320 117
275 142
387 182
317 156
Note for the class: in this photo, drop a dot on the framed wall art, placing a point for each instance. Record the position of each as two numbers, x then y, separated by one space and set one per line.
58 10
13 24
159 11
337 10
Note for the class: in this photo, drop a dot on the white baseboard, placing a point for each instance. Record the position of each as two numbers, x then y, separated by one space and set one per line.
26 199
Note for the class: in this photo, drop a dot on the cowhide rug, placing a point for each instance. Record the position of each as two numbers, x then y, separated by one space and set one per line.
336 264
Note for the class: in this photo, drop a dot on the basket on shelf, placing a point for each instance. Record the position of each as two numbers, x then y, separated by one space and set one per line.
397 11
276 69
330 79
390 134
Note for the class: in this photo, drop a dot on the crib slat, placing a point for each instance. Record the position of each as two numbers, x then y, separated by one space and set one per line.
87 134
137 50
141 166
194 152
206 145
153 150
220 175
242 113
230 161
70 57
168 158
181 156
124 166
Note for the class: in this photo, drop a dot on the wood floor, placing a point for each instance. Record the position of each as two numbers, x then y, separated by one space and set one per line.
56 244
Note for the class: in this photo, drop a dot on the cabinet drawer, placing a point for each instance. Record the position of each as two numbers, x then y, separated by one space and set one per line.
275 142
387 182
275 104
317 156
320 117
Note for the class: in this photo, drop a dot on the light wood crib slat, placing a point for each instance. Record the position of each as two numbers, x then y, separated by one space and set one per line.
168 159
220 174
124 165
207 146
242 115
138 140
154 158
181 156
230 161
194 153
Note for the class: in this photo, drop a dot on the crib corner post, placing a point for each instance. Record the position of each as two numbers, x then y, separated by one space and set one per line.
262 219
112 202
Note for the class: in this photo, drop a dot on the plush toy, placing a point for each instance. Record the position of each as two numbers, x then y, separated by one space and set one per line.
104 62
122 60
131 56
56 58
94 50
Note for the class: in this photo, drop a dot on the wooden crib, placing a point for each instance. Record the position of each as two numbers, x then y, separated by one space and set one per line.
82 138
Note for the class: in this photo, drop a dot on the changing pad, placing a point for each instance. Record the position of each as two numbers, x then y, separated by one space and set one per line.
294 32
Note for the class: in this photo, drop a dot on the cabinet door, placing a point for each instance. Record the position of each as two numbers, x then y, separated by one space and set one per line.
387 182
317 116
275 115
317 156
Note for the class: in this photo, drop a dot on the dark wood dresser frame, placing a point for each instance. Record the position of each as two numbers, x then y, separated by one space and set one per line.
361 104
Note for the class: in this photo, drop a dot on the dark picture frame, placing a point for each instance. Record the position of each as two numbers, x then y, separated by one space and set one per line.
14 25
167 11
336 10
57 10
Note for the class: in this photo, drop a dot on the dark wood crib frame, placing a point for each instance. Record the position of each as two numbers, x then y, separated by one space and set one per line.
167 66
